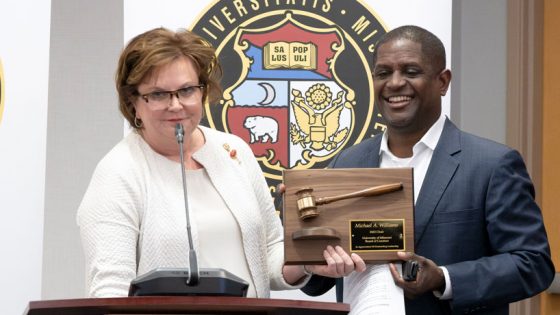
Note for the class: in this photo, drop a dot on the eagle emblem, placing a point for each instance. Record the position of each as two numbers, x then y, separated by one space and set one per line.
317 118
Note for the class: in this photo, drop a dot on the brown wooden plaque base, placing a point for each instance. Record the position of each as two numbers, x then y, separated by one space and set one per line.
374 227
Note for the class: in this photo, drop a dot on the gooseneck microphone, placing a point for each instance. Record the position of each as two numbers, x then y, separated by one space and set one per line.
192 279
188 281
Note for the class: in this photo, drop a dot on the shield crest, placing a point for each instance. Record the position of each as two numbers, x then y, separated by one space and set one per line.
288 103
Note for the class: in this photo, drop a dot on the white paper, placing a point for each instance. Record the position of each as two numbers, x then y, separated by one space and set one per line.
374 292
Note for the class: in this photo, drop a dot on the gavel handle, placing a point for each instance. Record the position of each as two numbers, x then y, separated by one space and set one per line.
372 191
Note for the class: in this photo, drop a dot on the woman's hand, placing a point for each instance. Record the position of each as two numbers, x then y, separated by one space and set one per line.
339 263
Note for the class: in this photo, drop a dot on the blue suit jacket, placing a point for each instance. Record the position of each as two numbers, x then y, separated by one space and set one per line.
475 215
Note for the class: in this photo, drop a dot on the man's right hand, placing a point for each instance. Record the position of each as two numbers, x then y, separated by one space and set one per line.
428 279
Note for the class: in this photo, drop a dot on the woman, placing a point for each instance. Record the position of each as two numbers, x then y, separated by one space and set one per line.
132 217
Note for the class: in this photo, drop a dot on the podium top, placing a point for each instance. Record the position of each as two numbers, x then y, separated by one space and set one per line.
184 305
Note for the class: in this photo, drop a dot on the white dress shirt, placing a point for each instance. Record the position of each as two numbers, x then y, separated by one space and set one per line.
420 160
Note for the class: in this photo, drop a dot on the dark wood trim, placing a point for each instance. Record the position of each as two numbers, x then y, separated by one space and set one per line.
524 81
184 305
524 98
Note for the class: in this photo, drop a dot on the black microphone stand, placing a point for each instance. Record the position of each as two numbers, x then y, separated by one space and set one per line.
193 263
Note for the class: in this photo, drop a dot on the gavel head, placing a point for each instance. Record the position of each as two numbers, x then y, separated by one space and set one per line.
306 204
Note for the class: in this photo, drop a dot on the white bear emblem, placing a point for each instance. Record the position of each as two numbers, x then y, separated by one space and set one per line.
262 129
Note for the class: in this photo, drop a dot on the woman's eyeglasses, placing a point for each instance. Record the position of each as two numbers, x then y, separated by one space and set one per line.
161 99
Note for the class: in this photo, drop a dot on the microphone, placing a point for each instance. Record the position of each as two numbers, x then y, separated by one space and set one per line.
191 281
193 264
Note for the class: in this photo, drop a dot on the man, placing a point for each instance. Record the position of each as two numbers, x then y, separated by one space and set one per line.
479 235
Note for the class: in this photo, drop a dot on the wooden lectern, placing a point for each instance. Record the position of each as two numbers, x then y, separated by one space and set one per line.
184 305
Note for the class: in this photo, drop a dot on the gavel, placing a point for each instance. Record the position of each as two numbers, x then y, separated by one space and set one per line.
307 203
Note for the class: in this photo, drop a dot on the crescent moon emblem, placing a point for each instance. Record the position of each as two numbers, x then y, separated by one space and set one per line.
270 93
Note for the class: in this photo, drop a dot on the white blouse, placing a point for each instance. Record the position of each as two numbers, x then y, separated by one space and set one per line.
218 233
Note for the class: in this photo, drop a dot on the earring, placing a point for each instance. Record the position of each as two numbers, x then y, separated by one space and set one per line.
137 122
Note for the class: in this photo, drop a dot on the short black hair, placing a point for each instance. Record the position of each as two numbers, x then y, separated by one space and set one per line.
432 47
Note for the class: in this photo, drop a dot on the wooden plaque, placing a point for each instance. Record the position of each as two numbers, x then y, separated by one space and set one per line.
375 227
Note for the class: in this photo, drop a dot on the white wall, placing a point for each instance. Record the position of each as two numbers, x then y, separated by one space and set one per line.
24 54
